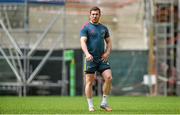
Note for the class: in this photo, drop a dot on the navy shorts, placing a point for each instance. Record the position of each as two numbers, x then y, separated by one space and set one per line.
93 66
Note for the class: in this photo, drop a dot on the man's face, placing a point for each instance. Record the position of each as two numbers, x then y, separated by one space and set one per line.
94 16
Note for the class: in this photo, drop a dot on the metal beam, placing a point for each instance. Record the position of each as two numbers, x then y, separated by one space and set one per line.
7 19
34 84
10 64
34 58
11 38
35 72
12 59
20 66
43 35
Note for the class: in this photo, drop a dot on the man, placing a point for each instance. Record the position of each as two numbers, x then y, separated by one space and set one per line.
94 38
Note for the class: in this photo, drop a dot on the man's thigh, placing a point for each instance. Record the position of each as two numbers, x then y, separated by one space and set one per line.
91 67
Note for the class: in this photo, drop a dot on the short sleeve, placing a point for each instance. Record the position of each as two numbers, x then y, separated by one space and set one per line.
83 31
106 33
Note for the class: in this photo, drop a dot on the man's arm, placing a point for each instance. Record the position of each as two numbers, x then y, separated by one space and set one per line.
107 52
83 41
108 45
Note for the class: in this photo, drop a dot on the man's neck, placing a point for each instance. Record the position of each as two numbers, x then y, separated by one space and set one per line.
94 23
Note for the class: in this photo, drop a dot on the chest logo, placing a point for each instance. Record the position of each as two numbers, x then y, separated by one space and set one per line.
92 32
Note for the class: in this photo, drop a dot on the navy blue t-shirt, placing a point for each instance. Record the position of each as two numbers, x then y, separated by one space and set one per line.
96 34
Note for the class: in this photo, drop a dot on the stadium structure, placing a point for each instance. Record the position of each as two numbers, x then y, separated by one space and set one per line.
40 51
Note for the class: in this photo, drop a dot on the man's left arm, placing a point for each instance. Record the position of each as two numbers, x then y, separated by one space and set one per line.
107 52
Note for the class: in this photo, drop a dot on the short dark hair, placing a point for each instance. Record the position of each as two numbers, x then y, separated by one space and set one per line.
95 8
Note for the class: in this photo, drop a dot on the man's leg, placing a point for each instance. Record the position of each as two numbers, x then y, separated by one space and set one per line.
89 91
107 75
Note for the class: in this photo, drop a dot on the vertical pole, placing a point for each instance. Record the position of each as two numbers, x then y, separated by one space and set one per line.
64 73
72 78
149 9
26 15
25 59
69 56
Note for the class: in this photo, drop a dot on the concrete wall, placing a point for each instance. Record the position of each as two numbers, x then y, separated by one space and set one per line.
125 22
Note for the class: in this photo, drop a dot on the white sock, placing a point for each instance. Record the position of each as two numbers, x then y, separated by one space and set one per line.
104 100
90 102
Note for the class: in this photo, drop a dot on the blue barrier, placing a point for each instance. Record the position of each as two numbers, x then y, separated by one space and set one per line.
52 2
12 1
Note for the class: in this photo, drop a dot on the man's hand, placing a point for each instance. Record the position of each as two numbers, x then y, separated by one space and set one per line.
105 57
89 57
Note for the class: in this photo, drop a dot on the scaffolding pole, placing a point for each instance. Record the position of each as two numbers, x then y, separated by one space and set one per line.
22 73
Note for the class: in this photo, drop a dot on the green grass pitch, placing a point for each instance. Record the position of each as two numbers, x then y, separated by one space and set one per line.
78 105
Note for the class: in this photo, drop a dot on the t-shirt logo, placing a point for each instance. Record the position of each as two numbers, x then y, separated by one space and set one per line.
93 32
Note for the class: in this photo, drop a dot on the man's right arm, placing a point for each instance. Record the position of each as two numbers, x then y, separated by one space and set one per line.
83 41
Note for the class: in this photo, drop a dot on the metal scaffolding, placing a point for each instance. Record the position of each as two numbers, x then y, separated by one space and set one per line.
162 26
16 46
178 55
165 44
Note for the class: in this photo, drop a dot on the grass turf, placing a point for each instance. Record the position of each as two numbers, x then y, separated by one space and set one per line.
78 105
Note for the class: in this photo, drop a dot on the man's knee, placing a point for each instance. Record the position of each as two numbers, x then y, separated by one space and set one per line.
90 80
108 78
89 83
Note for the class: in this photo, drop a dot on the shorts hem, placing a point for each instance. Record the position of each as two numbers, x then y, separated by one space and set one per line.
104 70
89 72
